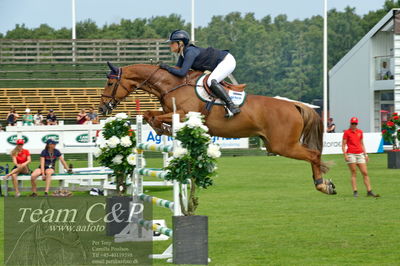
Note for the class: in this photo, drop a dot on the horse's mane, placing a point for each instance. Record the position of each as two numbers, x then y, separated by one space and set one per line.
192 74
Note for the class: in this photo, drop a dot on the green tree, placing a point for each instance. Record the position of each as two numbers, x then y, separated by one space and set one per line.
163 26
44 31
87 29
20 32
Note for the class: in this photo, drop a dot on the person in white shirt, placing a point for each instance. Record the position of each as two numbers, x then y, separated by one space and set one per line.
38 118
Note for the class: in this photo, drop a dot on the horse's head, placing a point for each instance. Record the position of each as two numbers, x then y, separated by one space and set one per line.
121 82
115 90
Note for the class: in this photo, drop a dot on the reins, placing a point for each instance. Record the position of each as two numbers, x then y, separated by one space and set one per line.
165 93
146 81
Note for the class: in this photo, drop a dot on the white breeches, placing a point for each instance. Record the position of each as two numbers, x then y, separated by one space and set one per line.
223 69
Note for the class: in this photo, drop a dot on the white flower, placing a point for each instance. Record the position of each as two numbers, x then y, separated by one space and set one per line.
178 126
194 119
101 141
213 150
110 119
97 152
168 161
131 159
103 145
204 127
113 142
126 141
120 116
179 152
207 135
193 115
194 122
117 159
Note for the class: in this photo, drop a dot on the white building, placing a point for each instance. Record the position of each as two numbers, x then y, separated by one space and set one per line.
366 82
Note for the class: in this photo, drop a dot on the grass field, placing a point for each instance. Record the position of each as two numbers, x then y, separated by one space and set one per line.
265 211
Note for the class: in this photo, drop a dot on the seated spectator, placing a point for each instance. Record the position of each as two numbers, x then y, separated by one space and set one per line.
93 116
38 118
12 117
51 118
21 158
27 118
82 117
46 169
331 126
1 128
385 71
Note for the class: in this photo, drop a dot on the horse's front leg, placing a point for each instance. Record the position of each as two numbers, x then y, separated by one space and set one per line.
150 117
163 122
167 117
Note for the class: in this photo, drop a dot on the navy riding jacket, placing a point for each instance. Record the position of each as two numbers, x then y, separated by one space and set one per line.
198 58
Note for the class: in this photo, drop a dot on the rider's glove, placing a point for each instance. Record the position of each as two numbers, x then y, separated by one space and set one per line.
164 66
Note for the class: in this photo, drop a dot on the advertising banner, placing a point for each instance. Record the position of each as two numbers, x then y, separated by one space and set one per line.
35 138
333 143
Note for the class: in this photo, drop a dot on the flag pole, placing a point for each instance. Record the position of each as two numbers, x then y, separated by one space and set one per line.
325 66
73 30
192 26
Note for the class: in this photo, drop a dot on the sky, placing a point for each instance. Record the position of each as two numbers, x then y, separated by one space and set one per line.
57 13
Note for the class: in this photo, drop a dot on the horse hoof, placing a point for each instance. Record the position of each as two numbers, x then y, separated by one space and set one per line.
330 187
327 187
331 183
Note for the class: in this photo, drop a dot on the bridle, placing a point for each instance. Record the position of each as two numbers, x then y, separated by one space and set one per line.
114 101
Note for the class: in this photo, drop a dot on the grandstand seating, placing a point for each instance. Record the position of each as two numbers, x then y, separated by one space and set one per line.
66 102
67 75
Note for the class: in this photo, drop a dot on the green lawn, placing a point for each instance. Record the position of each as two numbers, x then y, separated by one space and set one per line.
265 211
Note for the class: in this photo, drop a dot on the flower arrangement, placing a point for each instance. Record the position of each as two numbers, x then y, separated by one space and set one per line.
194 160
391 131
115 150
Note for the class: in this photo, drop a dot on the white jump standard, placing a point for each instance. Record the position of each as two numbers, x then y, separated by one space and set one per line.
138 224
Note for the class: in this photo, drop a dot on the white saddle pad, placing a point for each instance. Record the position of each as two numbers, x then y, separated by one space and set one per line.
238 98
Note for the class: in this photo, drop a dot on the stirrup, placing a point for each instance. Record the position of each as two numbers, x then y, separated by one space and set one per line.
229 113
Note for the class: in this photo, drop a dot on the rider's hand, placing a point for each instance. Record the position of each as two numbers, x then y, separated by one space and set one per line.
164 66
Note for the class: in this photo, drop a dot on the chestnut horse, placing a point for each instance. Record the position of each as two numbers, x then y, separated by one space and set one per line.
289 129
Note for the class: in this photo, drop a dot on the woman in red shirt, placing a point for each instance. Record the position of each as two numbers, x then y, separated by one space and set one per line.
356 155
21 158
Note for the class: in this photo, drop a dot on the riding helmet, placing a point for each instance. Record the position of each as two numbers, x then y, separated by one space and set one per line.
179 35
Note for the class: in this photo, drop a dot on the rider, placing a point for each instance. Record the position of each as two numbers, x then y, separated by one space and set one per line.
220 62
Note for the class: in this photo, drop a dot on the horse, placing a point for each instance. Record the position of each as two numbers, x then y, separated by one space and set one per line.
289 129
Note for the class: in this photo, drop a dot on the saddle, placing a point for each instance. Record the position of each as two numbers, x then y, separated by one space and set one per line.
228 86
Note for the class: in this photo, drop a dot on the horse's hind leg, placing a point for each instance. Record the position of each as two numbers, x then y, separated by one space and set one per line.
300 152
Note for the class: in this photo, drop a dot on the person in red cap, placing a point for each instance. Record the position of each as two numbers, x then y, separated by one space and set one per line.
21 158
356 155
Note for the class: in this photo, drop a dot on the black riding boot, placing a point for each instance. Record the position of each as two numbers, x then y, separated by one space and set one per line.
220 92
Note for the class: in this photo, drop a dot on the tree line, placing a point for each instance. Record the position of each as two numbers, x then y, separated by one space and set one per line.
274 56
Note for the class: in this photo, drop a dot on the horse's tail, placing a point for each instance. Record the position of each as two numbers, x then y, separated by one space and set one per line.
312 135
